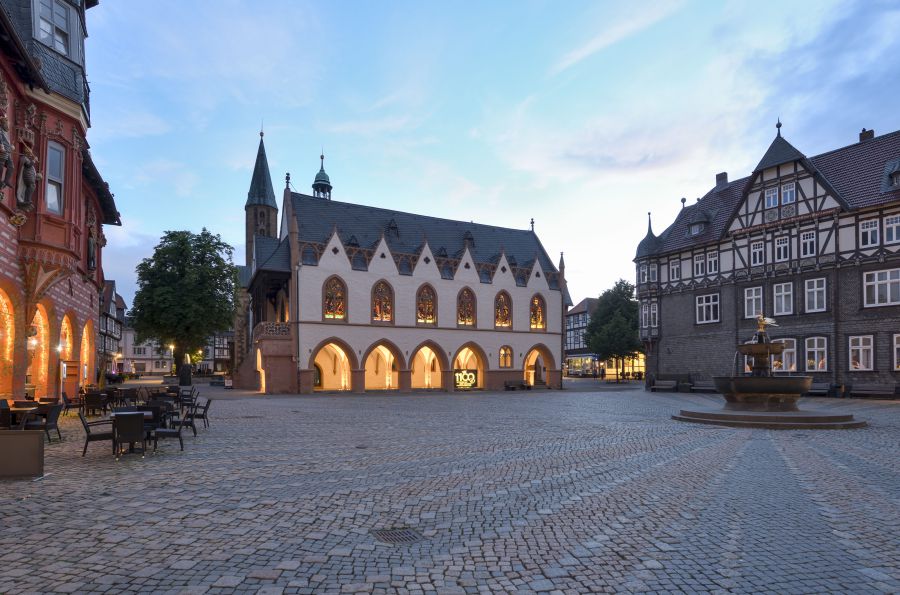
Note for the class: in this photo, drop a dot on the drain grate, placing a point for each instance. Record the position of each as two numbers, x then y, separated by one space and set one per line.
400 536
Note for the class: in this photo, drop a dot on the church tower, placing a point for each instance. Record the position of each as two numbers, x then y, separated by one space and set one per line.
261 210
322 184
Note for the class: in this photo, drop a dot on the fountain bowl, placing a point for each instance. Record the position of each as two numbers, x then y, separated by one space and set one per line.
762 393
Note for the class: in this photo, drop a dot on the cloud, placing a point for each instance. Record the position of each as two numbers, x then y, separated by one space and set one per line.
168 174
371 126
616 31
118 124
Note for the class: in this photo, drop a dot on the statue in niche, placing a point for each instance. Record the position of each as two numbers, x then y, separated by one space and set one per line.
28 179
91 252
6 150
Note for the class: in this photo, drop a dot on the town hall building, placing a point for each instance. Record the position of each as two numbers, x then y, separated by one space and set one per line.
811 241
340 296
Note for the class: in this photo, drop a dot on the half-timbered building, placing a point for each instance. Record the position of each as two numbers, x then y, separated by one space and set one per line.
343 296
813 242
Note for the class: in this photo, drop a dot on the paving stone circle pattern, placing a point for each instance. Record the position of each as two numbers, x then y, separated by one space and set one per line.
561 492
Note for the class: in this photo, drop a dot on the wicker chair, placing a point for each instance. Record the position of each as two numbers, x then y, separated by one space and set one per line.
51 422
93 433
128 428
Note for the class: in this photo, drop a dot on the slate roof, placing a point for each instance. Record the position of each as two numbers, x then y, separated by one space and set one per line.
855 172
271 254
261 192
95 180
406 232
586 305
244 275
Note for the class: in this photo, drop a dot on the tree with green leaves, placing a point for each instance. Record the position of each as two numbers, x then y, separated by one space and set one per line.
186 292
613 330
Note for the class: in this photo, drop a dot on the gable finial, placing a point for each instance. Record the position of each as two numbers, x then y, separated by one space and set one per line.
532 224
287 180
683 200
262 127
322 160
778 126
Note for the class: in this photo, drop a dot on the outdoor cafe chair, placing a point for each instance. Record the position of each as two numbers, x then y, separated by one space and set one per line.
70 403
169 433
203 413
94 433
94 402
128 428
51 422
5 415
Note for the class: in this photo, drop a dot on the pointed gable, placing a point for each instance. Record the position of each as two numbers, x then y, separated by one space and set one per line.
466 270
779 152
334 257
425 267
537 280
382 261
261 191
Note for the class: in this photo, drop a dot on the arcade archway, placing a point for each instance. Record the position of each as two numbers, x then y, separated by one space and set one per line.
425 368
261 371
38 346
383 363
469 361
538 361
7 340
332 368
87 351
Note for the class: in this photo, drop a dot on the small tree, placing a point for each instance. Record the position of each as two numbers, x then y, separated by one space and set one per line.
186 291
613 330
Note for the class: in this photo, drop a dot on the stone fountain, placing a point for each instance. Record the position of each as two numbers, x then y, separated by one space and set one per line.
763 400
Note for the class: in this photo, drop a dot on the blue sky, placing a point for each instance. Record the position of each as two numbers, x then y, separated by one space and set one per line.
582 115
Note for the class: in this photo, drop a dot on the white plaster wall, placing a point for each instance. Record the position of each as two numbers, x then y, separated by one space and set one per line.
360 334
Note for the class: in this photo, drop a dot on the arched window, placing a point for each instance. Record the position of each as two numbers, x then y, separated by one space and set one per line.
506 357
334 301
465 307
382 302
538 313
426 306
503 310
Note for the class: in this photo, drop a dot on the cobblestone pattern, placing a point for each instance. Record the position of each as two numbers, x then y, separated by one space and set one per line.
564 492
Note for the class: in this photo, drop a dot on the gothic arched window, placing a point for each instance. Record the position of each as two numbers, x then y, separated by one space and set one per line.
382 302
503 310
334 300
506 356
465 307
538 313
426 306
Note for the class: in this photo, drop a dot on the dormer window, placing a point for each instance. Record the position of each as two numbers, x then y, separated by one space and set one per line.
54 25
696 229
895 179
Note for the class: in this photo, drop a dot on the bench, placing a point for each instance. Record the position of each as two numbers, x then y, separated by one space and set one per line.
819 389
703 386
664 385
217 381
873 389
516 384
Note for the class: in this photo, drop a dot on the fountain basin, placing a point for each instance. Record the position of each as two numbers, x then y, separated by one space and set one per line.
762 393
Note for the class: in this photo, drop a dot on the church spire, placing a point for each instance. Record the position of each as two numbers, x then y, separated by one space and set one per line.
322 183
261 191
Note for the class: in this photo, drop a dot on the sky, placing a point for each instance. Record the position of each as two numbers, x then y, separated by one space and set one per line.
583 115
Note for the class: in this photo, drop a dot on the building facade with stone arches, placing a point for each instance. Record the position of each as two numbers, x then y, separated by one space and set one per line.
376 299
53 204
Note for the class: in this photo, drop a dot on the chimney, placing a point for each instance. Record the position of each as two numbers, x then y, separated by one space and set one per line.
721 179
866 135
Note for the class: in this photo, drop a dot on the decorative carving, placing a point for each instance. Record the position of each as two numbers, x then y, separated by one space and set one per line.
59 127
91 251
788 211
276 329
18 218
6 151
771 215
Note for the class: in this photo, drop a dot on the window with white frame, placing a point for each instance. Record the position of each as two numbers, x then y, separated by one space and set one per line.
862 353
654 315
807 244
757 253
643 276
712 263
645 316
868 233
753 302
786 361
771 197
896 352
53 197
782 249
653 273
674 270
881 288
816 354
784 299
815 295
695 229
699 265
892 229
707 308
788 193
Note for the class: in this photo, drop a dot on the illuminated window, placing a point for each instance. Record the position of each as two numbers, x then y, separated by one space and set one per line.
896 352
506 357
335 300
426 306
786 361
816 354
538 321
465 308
502 310
861 353
382 302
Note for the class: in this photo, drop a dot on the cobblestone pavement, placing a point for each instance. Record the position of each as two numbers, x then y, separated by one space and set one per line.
568 492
